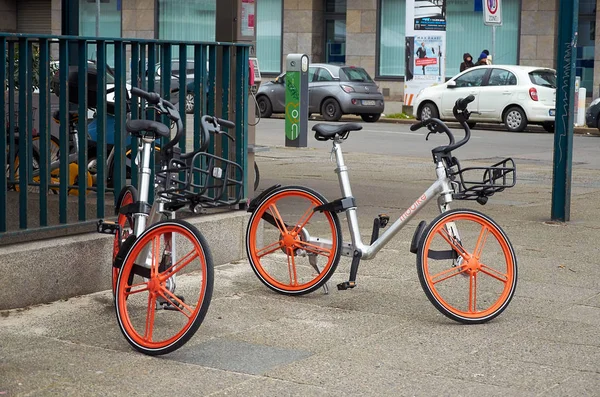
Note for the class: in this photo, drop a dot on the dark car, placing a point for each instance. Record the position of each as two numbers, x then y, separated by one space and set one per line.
592 114
333 91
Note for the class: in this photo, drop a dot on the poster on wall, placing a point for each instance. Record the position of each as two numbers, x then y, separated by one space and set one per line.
425 46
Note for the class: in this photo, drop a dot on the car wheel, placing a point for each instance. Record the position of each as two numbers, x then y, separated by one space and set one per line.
548 126
370 117
331 110
515 119
264 106
189 102
471 124
428 111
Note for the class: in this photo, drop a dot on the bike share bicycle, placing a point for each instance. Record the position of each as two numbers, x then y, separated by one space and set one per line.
466 265
162 266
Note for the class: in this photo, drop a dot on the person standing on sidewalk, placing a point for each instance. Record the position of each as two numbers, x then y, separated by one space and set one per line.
468 62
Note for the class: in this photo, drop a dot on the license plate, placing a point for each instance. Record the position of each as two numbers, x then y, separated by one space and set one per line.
552 112
368 103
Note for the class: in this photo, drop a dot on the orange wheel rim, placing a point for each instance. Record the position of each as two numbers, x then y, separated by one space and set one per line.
470 266
290 241
154 286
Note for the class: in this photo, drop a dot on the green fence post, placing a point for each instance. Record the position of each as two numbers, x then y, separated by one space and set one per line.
101 169
82 86
44 139
24 157
119 158
563 135
3 146
63 108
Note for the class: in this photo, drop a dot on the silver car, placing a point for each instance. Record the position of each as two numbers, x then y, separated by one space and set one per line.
333 90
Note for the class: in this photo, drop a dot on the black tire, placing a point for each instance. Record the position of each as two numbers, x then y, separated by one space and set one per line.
264 106
189 103
428 110
370 117
294 272
515 119
483 262
548 126
471 124
128 195
256 176
331 110
170 329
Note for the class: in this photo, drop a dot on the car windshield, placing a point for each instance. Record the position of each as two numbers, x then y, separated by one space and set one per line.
545 78
355 74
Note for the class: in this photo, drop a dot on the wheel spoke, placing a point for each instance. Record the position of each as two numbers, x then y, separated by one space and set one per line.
446 274
315 249
278 219
173 298
494 273
155 249
183 262
304 219
151 309
483 235
454 244
292 267
269 249
473 293
136 291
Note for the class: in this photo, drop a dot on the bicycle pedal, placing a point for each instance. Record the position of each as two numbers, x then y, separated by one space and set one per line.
346 285
162 303
108 227
383 220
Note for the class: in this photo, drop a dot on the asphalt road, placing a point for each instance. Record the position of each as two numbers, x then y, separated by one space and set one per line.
398 140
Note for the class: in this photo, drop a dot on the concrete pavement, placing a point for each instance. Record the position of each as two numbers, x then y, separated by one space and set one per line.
383 338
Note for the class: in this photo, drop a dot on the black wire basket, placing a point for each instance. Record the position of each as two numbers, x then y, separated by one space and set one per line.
472 183
202 179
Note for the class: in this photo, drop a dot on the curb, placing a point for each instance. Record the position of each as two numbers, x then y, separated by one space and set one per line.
481 126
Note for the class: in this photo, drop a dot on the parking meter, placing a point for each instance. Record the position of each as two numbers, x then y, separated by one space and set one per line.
296 100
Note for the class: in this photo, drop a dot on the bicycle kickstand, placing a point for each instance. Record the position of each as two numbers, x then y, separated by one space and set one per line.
312 259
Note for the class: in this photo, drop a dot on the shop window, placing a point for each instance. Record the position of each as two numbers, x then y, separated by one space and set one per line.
110 24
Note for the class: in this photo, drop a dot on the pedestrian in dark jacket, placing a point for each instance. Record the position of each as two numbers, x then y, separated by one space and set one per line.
482 59
468 62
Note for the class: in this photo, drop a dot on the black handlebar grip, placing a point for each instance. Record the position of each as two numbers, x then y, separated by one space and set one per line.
420 124
225 123
461 103
152 97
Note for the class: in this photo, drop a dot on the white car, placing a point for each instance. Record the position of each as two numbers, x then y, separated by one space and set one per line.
513 95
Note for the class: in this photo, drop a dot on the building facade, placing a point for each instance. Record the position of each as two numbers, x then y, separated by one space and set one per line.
367 33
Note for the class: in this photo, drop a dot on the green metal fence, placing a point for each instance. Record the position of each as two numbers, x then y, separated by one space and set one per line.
49 186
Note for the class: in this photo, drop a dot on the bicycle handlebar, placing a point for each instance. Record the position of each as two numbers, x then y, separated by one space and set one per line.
437 126
152 97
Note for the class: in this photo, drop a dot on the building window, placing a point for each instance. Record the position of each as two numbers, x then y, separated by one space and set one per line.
187 20
465 33
109 26
268 35
391 38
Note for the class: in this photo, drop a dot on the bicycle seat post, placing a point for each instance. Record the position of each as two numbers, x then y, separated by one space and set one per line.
144 182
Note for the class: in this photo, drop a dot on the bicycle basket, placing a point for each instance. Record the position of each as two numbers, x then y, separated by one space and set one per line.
471 185
203 179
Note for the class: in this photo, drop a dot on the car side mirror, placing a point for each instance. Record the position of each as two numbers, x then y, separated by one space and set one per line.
451 84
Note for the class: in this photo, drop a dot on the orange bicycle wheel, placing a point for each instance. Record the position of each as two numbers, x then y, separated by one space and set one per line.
467 266
164 287
127 196
291 248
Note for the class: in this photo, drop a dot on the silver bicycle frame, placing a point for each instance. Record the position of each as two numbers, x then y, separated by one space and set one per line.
441 188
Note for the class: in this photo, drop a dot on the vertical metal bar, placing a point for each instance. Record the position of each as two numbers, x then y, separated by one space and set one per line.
165 80
24 158
225 95
11 111
119 163
101 129
200 74
183 91
44 140
82 160
241 111
3 140
563 136
135 107
63 108
27 133
150 112
212 95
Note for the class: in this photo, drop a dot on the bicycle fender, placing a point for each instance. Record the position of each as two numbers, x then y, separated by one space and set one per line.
123 250
259 199
414 244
